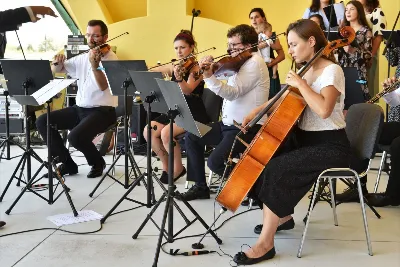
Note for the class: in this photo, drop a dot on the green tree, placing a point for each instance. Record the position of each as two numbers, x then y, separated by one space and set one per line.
47 45
30 48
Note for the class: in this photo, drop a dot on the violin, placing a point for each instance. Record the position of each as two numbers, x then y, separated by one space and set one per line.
227 65
104 48
186 65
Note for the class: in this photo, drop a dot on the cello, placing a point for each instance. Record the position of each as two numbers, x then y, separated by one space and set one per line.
271 134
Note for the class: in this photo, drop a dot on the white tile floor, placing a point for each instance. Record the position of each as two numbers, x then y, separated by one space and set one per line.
326 244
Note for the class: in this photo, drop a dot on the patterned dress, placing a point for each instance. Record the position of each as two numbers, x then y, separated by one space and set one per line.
394 56
360 57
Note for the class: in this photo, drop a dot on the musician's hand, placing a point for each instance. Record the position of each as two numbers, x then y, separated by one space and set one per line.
262 44
179 72
42 10
95 57
206 64
293 79
248 118
388 82
59 59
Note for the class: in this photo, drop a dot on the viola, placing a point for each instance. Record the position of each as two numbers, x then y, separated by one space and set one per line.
271 134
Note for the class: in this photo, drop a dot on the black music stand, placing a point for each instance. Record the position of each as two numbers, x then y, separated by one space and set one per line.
24 77
117 75
5 145
393 39
45 95
146 86
179 112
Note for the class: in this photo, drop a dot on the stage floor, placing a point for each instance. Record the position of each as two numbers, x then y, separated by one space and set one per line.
326 245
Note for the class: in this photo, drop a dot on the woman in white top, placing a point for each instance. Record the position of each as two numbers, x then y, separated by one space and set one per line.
317 8
321 140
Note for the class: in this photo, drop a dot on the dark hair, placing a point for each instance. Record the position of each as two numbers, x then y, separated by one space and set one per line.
361 14
316 5
97 22
305 28
259 10
187 37
371 5
246 33
320 19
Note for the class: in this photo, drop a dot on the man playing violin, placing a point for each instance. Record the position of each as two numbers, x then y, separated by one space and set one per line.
94 111
244 91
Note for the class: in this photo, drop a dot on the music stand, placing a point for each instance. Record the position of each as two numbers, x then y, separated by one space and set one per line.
32 75
179 111
145 84
45 95
117 74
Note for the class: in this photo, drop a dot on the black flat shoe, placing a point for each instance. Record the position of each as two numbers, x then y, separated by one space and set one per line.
284 226
96 170
64 170
242 259
164 176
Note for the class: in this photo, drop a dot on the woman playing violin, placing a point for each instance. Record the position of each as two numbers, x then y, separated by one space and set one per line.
321 140
192 85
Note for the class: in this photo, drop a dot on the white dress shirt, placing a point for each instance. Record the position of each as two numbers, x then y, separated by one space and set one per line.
392 98
244 91
89 93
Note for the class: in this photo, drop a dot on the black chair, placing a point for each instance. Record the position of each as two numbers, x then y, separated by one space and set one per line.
213 105
363 126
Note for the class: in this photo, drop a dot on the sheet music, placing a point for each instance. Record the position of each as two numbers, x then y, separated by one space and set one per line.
51 89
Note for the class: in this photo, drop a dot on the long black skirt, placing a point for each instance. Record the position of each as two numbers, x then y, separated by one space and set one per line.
288 177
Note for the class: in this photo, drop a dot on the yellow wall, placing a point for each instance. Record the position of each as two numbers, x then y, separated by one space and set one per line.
153 24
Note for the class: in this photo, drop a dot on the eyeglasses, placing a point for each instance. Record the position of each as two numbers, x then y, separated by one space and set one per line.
232 45
94 36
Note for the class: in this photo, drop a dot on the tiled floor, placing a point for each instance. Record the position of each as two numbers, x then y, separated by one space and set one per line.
326 245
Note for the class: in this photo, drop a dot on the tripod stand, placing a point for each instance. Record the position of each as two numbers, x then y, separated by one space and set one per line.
149 183
5 145
128 156
26 156
117 71
174 97
50 165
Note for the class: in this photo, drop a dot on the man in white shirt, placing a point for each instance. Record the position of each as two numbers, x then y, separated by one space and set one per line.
244 91
390 136
94 111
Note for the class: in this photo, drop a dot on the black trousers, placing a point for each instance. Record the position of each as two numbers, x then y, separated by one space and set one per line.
84 123
221 136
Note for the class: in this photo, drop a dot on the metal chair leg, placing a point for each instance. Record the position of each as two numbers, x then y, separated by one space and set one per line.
364 216
115 148
378 177
210 178
333 201
308 219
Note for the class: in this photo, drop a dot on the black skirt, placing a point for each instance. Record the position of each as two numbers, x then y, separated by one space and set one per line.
288 177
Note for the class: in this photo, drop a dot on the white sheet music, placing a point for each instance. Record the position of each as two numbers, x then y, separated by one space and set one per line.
69 218
51 89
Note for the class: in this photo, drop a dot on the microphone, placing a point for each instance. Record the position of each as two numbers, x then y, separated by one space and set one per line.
197 252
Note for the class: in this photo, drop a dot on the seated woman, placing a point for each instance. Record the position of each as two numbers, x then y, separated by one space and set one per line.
320 136
192 87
